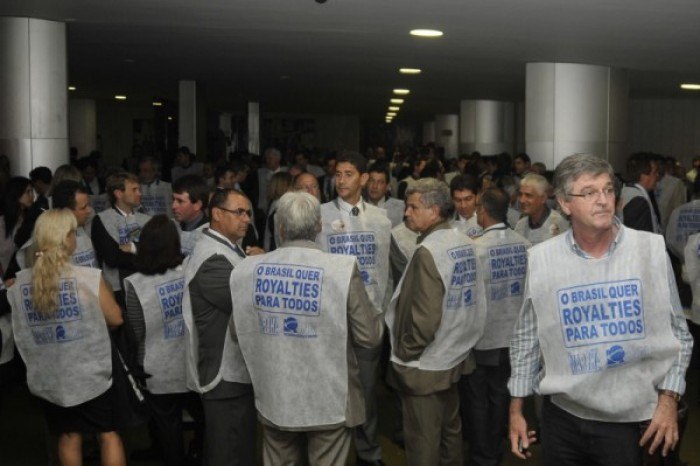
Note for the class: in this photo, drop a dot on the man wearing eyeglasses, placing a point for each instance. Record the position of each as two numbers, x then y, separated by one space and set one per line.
215 364
601 333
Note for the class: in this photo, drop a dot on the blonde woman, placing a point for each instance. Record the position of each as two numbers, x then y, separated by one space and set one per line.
280 183
60 317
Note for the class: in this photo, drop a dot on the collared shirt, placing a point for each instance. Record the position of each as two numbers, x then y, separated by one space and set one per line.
189 226
347 207
225 240
527 370
545 216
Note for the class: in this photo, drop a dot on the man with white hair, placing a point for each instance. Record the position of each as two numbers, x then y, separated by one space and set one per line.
272 158
298 313
539 222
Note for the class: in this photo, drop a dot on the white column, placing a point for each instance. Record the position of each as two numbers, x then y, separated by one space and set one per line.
187 115
572 108
447 134
34 93
486 126
82 127
428 132
254 127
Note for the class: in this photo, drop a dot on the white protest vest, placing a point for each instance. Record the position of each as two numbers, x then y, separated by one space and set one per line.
463 306
68 355
84 254
232 365
291 318
670 194
123 230
692 269
99 202
395 209
469 227
630 192
683 222
367 237
554 225
7 351
513 216
156 198
189 238
405 239
604 326
164 356
503 257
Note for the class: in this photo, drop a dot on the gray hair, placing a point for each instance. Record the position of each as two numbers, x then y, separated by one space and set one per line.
538 182
433 193
573 166
298 216
272 151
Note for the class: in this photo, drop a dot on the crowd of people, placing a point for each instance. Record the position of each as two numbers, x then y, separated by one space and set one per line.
281 291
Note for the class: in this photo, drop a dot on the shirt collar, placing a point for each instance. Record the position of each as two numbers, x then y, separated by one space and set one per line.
571 241
347 207
222 239
545 216
497 226
121 212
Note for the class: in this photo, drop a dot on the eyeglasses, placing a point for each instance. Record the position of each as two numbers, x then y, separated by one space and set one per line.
237 212
590 195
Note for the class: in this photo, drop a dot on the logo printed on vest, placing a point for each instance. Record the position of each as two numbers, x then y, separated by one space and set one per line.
170 299
463 277
615 355
129 233
288 289
59 327
153 205
688 223
601 313
85 258
361 244
584 362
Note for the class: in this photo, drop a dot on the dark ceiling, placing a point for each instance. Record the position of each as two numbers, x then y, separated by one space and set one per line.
343 56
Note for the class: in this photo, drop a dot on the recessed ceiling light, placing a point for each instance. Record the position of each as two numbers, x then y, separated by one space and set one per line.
396 101
401 91
71 88
690 87
410 70
120 97
391 114
157 104
426 33
170 118
394 108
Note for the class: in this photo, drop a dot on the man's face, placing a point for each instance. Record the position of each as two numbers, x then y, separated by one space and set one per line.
593 215
147 172
419 217
465 202
89 174
228 180
272 161
182 159
301 160
377 186
349 182
307 182
329 167
531 201
520 166
184 210
649 180
232 222
82 208
131 196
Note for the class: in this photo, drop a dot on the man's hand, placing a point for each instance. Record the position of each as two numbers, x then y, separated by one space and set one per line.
128 248
520 438
254 251
663 428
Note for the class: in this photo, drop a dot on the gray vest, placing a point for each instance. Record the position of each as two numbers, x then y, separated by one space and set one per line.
156 198
469 227
463 306
84 254
291 322
367 237
604 326
630 192
99 202
692 269
189 238
683 222
123 230
503 257
232 364
406 240
394 208
161 300
68 355
552 226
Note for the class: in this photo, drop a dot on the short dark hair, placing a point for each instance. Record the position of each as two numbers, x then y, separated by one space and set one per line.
159 247
380 167
63 194
196 188
117 181
522 156
639 164
465 182
495 202
41 174
220 172
355 159
221 195
238 165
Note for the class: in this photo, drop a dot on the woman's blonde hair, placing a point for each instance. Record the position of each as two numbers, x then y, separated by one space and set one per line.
50 236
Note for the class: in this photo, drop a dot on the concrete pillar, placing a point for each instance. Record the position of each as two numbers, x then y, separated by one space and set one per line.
82 127
428 132
572 108
187 115
254 127
486 126
447 134
34 93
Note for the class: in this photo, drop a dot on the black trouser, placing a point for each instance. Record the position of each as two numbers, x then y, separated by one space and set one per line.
230 431
166 419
